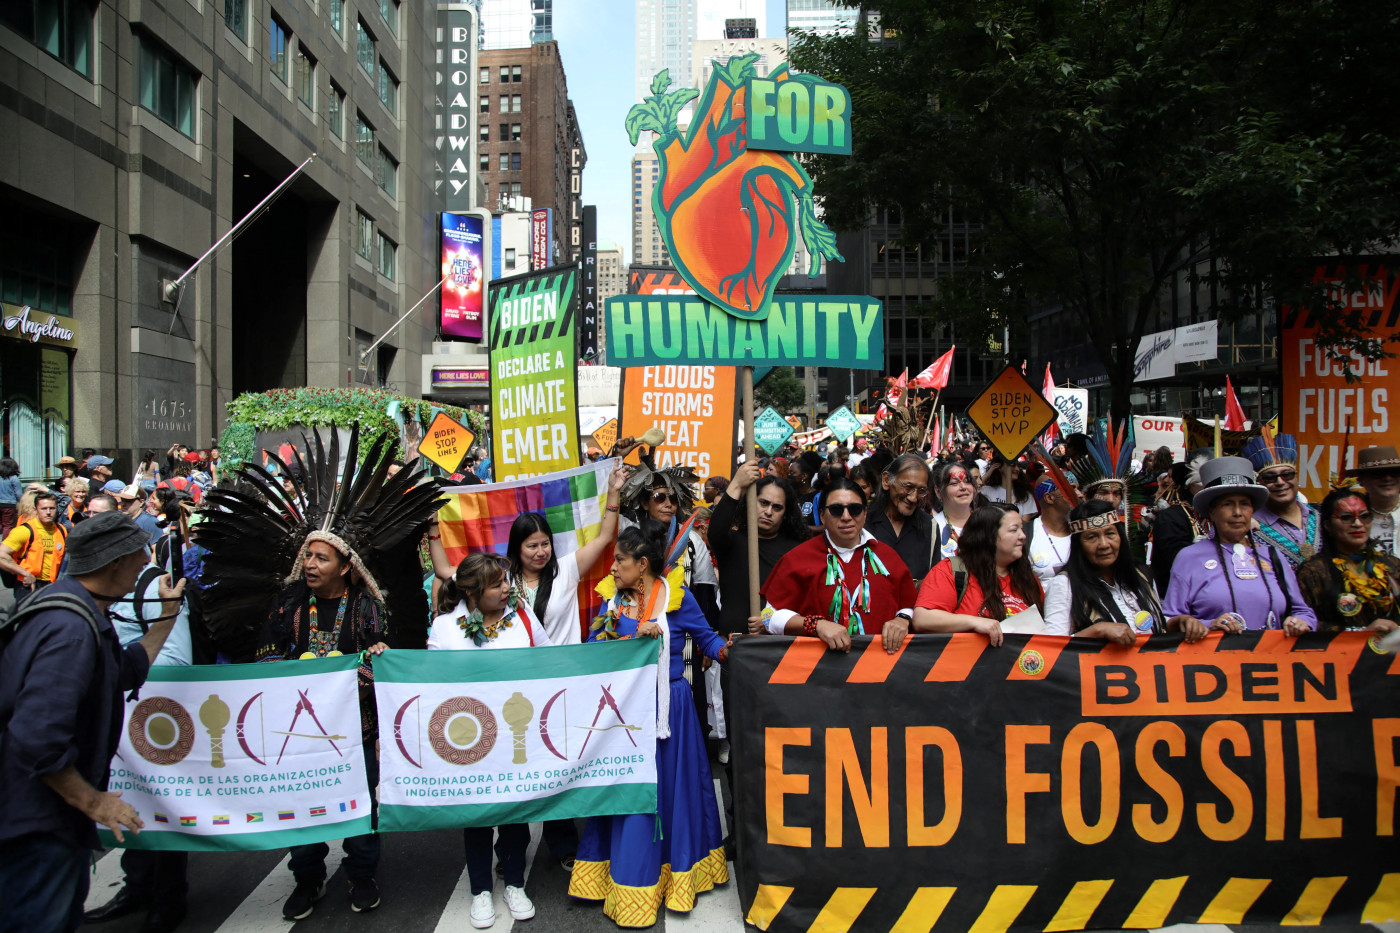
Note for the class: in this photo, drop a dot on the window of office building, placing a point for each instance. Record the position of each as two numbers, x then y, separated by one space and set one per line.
236 17
515 103
364 47
505 103
166 86
337 15
484 163
483 104
389 9
485 77
510 259
387 172
505 74
504 162
484 133
277 35
364 140
515 74
364 235
504 132
335 111
63 28
515 132
306 77
515 189
388 89
515 161
387 251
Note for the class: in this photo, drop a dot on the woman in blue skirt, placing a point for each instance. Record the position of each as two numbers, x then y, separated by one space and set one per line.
634 864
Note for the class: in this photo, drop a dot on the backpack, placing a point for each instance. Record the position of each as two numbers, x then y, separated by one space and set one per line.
960 579
42 601
11 580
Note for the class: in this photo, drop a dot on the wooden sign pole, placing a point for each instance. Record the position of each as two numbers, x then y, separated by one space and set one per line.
751 497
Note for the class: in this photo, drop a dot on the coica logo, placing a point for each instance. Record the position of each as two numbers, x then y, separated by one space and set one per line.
34 330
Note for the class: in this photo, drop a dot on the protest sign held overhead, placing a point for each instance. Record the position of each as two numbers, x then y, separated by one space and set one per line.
534 372
693 405
446 442
842 423
771 430
1010 412
1325 394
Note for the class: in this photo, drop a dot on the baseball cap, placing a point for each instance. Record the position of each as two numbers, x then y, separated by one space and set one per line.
114 486
97 460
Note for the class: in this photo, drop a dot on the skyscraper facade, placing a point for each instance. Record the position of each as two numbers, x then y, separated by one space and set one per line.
820 16
514 24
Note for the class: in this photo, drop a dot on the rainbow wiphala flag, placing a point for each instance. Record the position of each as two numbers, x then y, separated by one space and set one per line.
478 518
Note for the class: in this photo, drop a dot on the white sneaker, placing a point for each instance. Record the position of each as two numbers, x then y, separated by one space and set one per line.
484 910
724 751
519 903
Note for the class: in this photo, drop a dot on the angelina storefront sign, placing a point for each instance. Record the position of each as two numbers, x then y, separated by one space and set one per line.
24 323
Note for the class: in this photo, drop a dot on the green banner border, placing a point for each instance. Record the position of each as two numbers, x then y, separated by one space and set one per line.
408 666
206 673
170 841
608 800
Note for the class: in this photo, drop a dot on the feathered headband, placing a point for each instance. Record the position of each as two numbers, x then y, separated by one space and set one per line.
1109 462
1270 450
256 534
1102 520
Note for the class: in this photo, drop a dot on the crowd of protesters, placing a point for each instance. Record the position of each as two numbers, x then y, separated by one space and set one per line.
852 540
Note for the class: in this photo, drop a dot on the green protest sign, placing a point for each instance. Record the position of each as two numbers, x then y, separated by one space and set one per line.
534 373
771 430
842 423
646 330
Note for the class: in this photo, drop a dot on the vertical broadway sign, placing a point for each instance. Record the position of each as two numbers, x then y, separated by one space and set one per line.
456 108
534 373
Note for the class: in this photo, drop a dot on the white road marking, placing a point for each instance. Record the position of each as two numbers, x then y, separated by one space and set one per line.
457 912
261 910
106 879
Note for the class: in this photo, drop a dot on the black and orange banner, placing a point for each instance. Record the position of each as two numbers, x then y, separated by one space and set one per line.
1056 784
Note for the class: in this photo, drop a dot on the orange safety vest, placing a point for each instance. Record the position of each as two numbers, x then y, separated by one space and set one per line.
33 558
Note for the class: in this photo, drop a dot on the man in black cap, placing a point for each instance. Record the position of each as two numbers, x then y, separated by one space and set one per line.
61 682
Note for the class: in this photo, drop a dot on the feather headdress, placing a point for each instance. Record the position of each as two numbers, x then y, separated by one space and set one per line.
679 481
1269 450
257 537
1109 463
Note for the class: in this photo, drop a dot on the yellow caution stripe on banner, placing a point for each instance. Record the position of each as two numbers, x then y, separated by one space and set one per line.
841 911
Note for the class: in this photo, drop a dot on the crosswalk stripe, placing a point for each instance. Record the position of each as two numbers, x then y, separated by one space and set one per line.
262 908
457 913
106 879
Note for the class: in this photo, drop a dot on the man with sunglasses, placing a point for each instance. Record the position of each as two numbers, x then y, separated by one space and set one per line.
841 583
1286 521
1378 471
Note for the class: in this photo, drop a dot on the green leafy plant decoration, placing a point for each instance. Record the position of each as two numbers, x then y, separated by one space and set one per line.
657 113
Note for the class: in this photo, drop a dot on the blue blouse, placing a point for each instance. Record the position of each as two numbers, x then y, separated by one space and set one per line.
685 620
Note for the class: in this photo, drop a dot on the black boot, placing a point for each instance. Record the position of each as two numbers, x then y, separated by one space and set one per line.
125 902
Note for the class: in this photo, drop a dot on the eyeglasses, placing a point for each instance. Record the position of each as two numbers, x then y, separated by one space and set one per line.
839 510
911 489
1354 518
659 497
770 504
1286 476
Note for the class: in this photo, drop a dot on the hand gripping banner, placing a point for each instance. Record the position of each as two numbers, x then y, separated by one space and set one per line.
244 756
1065 784
515 735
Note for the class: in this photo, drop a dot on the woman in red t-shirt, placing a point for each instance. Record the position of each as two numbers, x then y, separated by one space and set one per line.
1000 581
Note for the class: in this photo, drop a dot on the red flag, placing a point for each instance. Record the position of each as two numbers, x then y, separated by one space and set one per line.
937 438
1048 391
1234 412
881 412
896 391
936 376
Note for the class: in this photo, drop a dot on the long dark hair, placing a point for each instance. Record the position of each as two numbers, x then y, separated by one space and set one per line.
8 467
526 524
646 539
1020 486
977 547
1336 582
1088 591
793 525
899 465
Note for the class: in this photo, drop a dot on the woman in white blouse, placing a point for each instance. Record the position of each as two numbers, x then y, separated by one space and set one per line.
480 610
1102 592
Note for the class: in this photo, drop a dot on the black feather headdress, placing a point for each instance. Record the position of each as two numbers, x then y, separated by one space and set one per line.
256 543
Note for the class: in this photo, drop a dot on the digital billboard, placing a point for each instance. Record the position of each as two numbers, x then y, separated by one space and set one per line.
464 277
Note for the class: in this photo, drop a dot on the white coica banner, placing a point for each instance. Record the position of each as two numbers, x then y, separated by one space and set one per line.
515 735
244 756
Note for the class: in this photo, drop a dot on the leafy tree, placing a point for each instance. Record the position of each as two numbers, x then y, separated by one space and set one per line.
781 389
1107 146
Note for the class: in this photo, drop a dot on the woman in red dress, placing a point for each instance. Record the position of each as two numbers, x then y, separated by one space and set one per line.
842 582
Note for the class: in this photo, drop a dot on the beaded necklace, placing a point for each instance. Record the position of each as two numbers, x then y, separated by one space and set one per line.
475 626
1271 620
326 644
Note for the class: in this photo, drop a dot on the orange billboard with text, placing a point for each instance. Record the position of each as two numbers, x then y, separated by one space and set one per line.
694 405
1328 392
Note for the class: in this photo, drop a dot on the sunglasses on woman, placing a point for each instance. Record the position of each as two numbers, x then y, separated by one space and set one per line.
840 509
659 497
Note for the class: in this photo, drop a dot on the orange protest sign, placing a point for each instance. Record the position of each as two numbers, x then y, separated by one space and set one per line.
605 436
1010 412
694 405
446 442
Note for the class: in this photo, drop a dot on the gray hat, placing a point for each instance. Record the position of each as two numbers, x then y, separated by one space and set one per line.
101 539
1225 475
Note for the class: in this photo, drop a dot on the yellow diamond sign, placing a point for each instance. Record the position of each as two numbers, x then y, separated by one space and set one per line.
1011 413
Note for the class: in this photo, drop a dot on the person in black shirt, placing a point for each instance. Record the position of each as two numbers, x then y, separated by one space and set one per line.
897 515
